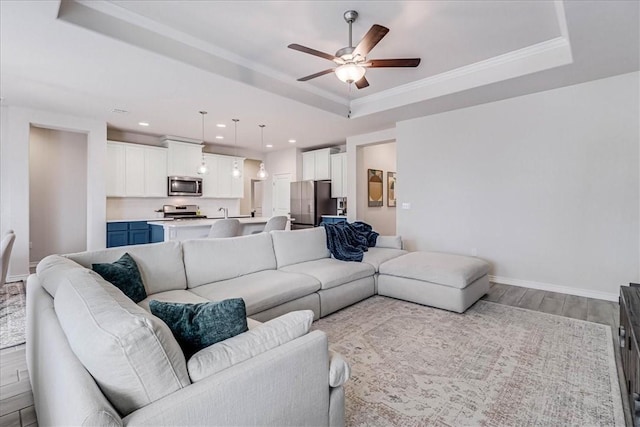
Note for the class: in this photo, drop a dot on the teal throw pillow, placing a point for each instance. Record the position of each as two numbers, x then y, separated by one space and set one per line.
196 326
124 274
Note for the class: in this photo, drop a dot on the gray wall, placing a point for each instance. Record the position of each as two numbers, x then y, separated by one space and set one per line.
57 192
544 186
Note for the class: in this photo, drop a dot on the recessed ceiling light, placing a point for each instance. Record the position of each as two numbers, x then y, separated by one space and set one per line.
292 141
221 125
119 111
269 145
219 137
143 124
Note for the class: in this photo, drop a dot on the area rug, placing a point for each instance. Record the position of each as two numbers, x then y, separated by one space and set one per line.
494 365
12 314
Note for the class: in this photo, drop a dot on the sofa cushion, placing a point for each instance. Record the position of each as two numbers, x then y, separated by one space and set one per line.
213 260
261 291
185 297
391 242
331 272
160 264
269 335
52 270
182 296
197 326
131 354
293 247
124 275
444 269
377 255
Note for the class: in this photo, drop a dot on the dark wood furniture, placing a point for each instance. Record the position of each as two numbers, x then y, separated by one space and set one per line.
629 332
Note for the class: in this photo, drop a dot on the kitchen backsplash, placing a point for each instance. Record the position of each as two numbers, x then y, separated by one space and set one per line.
144 208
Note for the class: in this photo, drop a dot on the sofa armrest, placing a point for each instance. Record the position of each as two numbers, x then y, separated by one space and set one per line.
339 370
264 337
288 385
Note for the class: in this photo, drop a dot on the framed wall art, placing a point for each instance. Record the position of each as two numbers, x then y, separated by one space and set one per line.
391 189
375 187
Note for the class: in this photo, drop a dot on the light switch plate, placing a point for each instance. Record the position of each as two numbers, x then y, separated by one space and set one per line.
406 205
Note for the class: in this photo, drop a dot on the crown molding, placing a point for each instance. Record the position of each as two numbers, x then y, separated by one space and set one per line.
541 56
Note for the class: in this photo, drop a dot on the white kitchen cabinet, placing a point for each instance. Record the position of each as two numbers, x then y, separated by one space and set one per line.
308 166
237 184
210 179
339 175
115 170
136 170
219 182
184 158
316 164
155 172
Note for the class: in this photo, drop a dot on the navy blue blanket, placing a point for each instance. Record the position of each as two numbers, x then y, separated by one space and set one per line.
349 242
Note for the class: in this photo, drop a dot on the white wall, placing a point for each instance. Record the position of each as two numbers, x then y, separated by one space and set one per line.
382 157
14 176
544 186
57 192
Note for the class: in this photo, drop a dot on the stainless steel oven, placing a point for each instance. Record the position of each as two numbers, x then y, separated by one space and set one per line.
184 186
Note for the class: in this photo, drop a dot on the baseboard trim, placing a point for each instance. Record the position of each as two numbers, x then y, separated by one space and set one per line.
16 278
554 288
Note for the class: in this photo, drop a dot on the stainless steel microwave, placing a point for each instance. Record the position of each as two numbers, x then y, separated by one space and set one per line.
184 186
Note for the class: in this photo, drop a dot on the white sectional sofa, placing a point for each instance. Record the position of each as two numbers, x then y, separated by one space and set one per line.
97 358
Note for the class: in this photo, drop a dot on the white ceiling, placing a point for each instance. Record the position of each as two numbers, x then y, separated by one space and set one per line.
163 61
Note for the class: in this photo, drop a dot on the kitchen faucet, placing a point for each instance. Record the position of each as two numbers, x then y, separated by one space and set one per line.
226 212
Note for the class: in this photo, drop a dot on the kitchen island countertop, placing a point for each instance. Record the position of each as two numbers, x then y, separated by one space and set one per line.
206 222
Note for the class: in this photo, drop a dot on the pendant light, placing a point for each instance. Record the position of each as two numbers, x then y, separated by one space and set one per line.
203 169
235 172
262 172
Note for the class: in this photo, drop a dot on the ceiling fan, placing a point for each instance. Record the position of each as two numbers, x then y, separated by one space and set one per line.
352 61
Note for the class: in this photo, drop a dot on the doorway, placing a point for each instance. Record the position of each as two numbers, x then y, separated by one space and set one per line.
281 194
57 192
381 157
257 191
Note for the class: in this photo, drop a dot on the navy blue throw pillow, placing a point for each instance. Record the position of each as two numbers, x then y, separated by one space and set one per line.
124 274
196 326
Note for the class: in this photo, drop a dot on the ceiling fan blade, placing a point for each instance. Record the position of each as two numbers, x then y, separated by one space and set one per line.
313 76
310 51
380 63
370 40
362 83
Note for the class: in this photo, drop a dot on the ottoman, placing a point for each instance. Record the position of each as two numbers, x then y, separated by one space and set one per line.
451 282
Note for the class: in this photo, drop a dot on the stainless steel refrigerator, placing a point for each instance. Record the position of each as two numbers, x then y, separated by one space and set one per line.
309 201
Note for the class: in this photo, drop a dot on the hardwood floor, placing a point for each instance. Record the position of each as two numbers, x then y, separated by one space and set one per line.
16 400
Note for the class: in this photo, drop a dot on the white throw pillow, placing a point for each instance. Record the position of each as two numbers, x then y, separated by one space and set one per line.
227 353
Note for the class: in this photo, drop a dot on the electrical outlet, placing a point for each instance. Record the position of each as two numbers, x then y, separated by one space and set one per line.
474 252
406 205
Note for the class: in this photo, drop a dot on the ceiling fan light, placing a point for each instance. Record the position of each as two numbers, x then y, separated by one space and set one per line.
350 73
